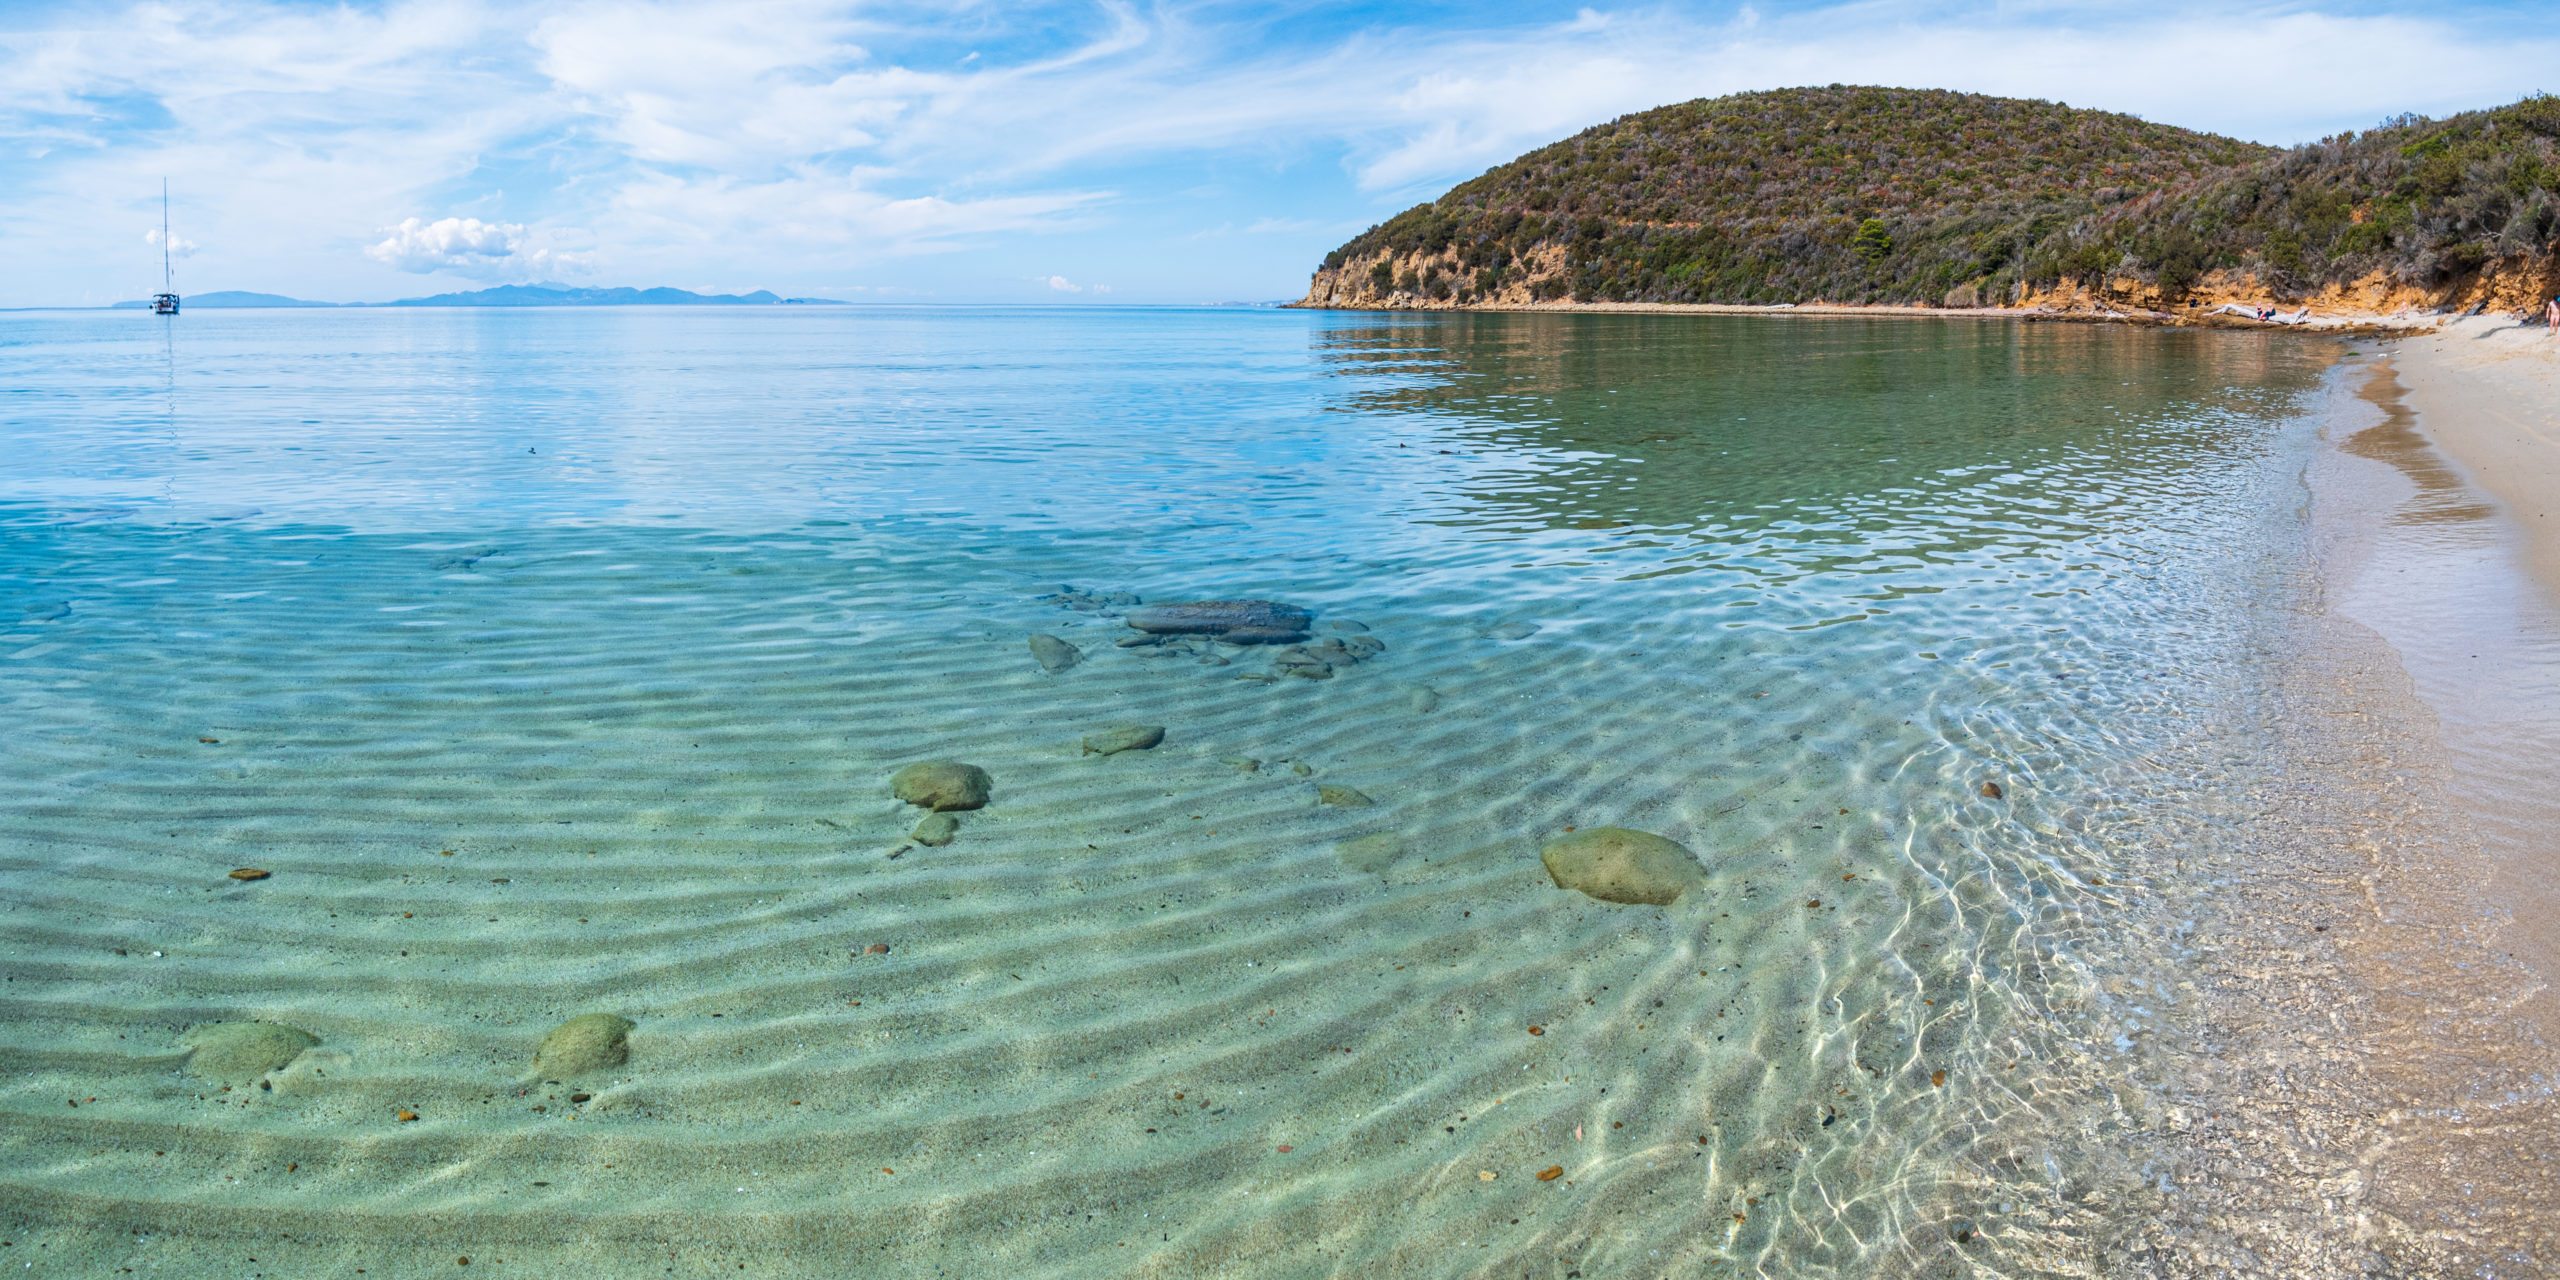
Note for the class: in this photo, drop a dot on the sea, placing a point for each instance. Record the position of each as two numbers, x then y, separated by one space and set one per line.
553 663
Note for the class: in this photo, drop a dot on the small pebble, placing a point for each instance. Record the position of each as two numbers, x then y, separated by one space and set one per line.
1242 764
1284 1148
876 949
1551 1173
406 1116
1347 797
936 829
1991 790
1422 700
1485 1175
250 873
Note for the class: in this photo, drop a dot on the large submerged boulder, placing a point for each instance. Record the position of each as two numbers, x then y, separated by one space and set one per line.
240 1052
1615 864
586 1043
942 785
1234 621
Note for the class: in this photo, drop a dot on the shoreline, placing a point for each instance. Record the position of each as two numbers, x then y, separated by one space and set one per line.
2374 1087
2348 324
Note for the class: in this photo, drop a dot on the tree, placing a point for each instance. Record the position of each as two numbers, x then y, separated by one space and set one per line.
1872 242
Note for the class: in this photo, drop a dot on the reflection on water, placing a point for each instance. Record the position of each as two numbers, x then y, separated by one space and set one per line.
556 664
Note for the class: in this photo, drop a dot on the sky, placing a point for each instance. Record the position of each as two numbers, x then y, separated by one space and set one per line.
1037 152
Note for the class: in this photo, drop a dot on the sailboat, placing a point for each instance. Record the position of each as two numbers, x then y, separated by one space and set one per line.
165 302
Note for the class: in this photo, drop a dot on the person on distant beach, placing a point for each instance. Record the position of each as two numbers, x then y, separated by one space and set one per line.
2551 316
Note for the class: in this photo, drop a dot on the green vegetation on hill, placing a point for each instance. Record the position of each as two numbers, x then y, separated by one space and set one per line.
2466 207
1852 194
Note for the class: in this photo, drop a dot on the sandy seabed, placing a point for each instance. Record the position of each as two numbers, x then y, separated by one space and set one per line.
1169 1012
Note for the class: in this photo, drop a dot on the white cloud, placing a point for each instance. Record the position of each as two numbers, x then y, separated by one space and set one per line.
468 246
179 246
1060 284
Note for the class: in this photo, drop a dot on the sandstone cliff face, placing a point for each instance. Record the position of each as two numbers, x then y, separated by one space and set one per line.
1439 282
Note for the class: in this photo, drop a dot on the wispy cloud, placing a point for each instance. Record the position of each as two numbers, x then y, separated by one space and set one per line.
916 144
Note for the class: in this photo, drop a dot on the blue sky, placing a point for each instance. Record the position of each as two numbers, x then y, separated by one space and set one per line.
1088 152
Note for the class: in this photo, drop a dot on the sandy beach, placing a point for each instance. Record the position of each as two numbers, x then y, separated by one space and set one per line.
2375 1089
2485 393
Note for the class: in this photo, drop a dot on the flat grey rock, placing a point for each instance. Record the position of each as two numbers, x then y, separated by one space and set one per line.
1053 654
1234 621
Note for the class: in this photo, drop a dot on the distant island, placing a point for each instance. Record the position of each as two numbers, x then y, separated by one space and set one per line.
514 295
1862 195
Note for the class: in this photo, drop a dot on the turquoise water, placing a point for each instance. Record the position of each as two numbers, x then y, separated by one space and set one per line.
555 662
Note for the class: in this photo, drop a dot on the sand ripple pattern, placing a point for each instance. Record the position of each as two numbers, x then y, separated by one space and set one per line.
1142 1017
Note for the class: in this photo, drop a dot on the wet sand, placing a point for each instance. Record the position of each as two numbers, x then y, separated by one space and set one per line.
2480 623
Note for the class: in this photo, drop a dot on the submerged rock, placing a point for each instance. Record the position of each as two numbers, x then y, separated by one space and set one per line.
1513 631
1298 662
588 1042
942 784
240 1052
1372 854
1422 699
1136 737
1053 654
1615 864
1347 797
936 829
1320 661
1234 621
1091 601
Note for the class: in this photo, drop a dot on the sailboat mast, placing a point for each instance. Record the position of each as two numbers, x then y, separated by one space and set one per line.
165 303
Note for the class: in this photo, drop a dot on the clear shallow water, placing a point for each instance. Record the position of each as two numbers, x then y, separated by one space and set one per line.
555 662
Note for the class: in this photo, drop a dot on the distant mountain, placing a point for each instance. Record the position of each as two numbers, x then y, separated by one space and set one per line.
512 295
552 295
231 298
